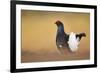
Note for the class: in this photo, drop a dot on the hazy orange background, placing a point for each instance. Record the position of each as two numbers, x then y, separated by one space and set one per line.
39 35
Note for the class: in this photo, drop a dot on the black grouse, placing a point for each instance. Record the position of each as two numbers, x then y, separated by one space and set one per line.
69 41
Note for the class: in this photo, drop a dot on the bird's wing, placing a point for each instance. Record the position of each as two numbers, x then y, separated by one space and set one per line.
80 35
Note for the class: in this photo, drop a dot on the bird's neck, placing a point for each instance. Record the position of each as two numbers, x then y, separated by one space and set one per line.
60 29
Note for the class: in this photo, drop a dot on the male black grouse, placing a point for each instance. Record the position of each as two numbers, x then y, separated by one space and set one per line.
69 41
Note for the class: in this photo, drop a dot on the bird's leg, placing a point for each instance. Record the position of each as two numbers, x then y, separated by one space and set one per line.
58 49
59 46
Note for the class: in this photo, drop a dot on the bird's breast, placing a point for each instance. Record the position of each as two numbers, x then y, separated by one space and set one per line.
61 40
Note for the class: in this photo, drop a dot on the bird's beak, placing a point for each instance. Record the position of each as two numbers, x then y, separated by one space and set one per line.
55 22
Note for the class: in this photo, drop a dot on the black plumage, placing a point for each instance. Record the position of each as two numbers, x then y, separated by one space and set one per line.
62 38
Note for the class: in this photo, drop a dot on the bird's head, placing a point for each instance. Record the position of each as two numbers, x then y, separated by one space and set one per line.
59 23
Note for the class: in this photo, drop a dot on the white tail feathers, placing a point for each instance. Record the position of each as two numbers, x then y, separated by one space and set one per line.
73 42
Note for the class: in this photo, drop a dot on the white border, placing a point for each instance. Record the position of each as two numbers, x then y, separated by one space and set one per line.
20 65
